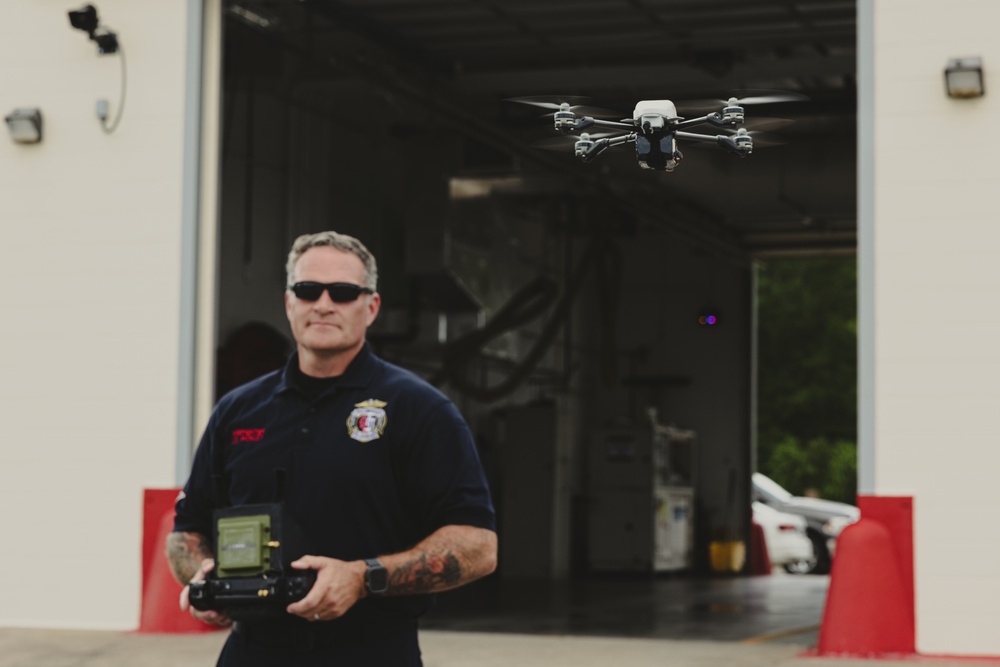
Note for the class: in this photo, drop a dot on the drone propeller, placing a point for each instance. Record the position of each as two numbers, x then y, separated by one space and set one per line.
574 103
767 124
768 98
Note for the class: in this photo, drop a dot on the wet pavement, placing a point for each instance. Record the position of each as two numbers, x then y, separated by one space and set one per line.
779 607
764 621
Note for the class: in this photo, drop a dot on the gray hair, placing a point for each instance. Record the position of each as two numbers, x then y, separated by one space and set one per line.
340 242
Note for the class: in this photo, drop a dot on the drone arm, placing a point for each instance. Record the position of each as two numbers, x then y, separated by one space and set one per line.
719 120
604 144
618 141
615 125
694 136
716 119
578 124
742 147
694 121
587 122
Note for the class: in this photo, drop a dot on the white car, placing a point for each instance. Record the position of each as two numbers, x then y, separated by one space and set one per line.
824 518
786 539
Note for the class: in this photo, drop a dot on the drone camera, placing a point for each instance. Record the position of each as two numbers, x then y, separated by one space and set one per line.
651 123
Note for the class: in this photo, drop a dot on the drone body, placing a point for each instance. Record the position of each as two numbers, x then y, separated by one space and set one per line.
654 111
655 128
656 146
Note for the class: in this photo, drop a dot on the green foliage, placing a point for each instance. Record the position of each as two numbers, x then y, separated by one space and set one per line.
827 469
807 387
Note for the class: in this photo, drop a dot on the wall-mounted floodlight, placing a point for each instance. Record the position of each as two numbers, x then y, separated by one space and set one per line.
25 125
963 77
85 19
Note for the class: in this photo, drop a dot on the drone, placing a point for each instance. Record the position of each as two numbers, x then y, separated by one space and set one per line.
655 128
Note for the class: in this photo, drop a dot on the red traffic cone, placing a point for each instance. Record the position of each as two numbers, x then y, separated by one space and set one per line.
161 612
867 610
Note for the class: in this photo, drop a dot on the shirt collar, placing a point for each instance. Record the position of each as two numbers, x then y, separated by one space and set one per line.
357 374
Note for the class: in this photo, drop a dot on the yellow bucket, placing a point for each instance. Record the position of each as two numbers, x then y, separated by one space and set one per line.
727 556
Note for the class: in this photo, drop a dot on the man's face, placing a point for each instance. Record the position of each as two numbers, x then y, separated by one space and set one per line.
323 326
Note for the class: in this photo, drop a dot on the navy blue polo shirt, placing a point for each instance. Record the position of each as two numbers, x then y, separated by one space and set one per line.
375 462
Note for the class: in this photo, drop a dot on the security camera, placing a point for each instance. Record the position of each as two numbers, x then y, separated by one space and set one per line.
107 41
84 19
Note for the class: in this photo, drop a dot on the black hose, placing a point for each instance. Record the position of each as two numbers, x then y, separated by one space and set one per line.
530 302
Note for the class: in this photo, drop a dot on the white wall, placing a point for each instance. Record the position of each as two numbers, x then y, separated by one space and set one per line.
937 328
89 285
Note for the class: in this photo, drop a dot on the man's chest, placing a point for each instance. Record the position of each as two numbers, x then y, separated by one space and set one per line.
342 442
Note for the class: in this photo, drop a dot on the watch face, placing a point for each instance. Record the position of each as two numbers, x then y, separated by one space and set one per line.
377 577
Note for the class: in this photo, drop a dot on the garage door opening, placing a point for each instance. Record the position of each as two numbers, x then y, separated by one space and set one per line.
390 124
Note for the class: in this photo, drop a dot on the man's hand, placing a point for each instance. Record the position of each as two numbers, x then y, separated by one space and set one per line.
214 617
339 584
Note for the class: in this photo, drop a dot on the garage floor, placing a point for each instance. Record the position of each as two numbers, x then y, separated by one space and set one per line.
776 608
763 621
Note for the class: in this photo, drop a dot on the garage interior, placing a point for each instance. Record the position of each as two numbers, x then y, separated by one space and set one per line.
562 305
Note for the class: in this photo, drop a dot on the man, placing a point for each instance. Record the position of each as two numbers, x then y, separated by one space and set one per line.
379 465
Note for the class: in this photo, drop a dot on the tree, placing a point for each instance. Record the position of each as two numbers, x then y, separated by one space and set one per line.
807 381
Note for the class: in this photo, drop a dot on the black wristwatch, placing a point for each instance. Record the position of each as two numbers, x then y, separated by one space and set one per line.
377 577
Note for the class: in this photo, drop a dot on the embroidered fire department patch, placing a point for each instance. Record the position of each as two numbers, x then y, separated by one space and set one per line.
367 420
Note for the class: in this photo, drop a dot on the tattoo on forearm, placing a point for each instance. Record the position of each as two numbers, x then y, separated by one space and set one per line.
185 551
426 573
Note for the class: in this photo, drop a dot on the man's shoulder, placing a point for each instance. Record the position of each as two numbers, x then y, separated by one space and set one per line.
403 381
256 390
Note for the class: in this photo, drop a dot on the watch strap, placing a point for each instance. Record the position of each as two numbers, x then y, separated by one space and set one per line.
376 577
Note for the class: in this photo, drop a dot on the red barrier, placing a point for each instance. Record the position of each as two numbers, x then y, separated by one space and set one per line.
869 606
760 559
896 514
160 591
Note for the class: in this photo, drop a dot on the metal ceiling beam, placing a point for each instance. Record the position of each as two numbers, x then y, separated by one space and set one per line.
676 76
685 218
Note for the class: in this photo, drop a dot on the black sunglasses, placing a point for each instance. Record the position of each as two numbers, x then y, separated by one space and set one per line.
339 292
